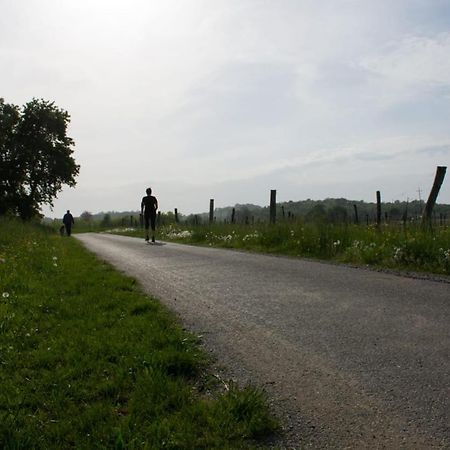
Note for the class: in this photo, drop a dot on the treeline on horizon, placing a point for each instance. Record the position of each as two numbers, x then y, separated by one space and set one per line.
333 210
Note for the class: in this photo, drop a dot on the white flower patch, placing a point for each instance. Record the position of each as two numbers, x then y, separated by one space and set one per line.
180 234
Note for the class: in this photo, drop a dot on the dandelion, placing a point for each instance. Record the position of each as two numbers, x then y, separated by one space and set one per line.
5 294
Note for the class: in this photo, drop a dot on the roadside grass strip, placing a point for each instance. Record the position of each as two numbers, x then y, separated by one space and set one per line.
88 361
388 246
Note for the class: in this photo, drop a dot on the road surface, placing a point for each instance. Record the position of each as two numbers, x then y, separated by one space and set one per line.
350 358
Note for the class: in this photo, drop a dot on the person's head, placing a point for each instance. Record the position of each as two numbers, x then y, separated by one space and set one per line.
149 191
68 211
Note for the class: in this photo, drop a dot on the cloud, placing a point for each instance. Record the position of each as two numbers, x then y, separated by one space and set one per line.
435 150
196 97
413 66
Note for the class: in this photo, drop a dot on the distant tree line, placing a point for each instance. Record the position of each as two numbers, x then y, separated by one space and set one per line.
331 210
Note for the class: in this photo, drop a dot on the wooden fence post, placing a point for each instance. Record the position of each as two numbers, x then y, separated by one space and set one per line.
378 208
176 215
273 206
356 214
438 179
211 211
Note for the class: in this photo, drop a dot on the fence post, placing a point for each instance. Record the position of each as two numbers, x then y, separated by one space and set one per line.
211 211
356 214
438 179
378 208
273 206
176 215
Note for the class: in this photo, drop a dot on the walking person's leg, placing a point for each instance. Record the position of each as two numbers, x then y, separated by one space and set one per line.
153 224
146 224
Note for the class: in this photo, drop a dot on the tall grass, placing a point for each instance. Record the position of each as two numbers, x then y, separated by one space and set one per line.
390 246
88 361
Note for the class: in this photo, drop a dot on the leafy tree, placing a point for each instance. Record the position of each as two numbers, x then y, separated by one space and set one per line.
35 155
106 221
9 176
86 216
317 213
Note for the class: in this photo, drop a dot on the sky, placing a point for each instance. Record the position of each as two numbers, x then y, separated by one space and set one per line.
228 99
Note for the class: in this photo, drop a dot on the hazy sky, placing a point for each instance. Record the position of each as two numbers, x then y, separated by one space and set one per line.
228 99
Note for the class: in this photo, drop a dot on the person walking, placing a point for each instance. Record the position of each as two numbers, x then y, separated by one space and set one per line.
149 205
68 222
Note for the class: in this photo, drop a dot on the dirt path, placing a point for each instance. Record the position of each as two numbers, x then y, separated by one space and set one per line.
350 358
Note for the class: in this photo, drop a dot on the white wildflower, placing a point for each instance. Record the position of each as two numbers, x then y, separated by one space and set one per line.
5 294
55 258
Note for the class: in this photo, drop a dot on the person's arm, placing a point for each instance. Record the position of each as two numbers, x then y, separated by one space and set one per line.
142 207
156 204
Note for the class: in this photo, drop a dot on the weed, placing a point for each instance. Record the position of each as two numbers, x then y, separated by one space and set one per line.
388 246
88 361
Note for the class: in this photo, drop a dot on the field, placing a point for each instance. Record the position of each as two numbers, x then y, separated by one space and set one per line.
88 361
388 246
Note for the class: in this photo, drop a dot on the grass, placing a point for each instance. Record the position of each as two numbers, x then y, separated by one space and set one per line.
390 246
88 361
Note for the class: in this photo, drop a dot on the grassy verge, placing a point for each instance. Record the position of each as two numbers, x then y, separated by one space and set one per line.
88 361
391 246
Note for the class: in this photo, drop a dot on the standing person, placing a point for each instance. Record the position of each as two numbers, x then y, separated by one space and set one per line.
68 222
149 205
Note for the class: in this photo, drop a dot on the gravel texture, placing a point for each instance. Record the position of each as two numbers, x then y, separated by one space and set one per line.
350 358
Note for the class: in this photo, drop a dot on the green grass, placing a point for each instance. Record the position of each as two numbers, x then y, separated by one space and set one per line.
390 246
88 361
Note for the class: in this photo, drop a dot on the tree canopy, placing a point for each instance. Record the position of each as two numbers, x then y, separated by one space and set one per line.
35 156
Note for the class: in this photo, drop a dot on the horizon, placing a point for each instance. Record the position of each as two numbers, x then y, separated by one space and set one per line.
206 211
229 99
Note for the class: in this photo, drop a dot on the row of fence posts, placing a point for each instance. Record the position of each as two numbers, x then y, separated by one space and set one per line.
426 216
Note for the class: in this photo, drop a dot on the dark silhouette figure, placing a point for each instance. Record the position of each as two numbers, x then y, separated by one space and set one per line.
68 222
149 205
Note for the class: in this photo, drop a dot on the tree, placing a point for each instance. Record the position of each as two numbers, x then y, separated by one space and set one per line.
9 176
106 221
86 216
35 155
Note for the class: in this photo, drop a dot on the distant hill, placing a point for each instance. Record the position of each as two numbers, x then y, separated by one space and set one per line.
330 209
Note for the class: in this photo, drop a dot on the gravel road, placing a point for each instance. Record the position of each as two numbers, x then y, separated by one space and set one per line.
350 358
